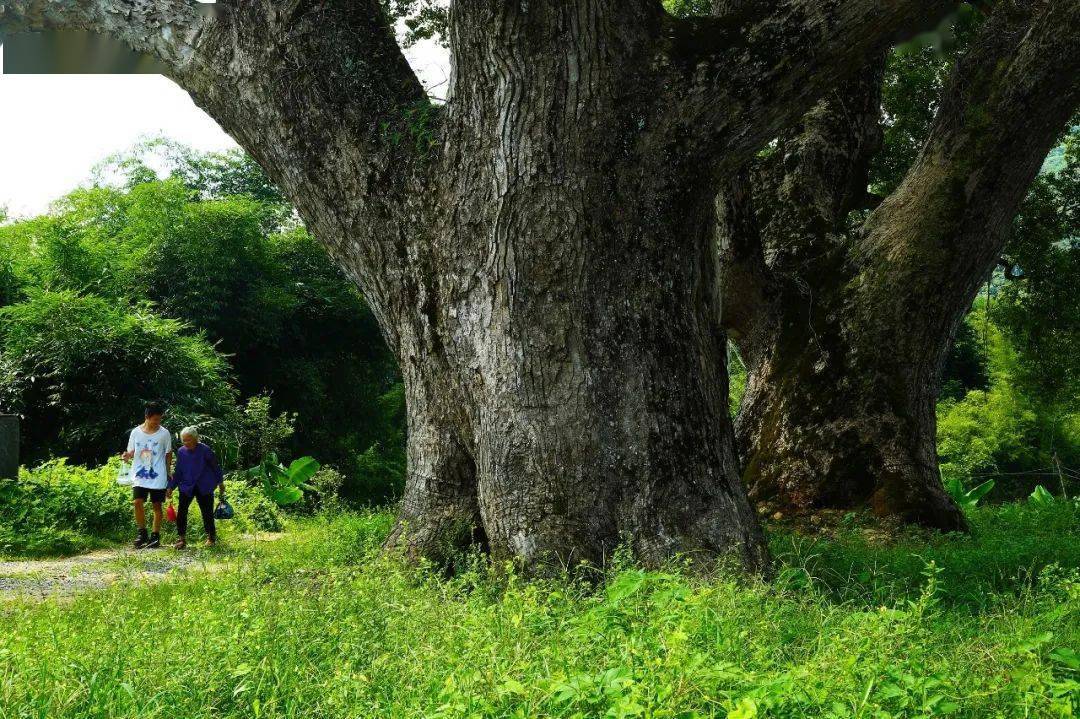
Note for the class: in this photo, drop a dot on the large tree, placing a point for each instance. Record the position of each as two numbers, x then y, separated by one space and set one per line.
539 250
843 304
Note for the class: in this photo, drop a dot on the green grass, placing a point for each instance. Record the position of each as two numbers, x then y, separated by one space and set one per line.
321 625
58 509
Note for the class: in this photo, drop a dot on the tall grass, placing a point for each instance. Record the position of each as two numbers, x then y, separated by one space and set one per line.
322 625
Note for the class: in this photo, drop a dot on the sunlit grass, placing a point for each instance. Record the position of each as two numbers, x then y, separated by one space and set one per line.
320 624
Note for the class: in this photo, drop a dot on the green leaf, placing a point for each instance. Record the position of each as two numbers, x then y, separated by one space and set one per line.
979 492
955 488
303 469
286 495
1041 497
745 708
278 476
1066 656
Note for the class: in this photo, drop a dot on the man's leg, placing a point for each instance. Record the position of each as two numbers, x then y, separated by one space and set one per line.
158 515
138 499
157 497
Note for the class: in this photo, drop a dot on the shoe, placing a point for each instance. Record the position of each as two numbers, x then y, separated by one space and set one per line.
180 544
155 541
141 539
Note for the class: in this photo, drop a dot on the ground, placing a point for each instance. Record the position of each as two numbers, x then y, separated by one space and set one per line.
855 622
66 576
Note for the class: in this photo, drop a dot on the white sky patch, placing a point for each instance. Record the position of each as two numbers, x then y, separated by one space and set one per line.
55 128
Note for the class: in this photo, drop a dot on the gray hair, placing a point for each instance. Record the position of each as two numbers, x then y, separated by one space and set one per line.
189 432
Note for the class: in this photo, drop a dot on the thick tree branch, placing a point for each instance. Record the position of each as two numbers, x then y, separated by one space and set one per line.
778 221
820 171
753 70
1006 104
168 29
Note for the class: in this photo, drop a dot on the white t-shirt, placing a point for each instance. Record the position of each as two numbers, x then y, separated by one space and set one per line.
148 465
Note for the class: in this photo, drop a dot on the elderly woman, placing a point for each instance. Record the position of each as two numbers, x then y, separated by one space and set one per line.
197 473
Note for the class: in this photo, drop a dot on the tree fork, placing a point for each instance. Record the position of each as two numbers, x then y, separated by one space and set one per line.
537 251
844 352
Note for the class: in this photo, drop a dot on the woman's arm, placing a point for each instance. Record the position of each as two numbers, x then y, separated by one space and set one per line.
215 467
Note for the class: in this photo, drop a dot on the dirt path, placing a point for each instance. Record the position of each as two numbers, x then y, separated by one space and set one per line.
44 578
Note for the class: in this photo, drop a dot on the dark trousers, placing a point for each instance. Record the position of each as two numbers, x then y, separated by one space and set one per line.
206 508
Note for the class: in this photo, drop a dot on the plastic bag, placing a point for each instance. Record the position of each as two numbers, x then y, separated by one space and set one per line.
170 513
224 510
123 474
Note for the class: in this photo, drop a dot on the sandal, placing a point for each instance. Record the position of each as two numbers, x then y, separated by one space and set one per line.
179 544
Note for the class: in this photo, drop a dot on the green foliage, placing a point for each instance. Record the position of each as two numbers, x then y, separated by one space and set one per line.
1038 308
736 380
284 485
380 470
255 512
423 19
210 175
261 431
215 246
62 509
78 369
967 365
967 498
1004 430
1041 497
328 487
688 8
320 623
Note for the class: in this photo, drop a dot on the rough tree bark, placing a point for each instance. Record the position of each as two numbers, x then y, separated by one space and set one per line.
538 251
844 330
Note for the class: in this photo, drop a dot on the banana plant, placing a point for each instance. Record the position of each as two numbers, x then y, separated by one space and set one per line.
284 485
1042 497
967 499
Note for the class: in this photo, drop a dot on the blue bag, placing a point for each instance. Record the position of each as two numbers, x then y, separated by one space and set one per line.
224 510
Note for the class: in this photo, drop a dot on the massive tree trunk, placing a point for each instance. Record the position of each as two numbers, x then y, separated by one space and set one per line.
844 329
539 250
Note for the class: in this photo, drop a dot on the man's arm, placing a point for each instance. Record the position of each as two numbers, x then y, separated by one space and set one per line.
129 454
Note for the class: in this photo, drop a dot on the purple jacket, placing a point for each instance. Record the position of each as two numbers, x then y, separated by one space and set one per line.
197 470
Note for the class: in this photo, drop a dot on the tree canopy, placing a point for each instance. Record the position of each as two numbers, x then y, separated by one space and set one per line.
215 249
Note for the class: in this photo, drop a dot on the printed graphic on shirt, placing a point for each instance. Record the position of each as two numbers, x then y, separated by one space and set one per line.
148 452
145 459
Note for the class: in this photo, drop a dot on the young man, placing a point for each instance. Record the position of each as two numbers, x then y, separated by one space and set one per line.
149 450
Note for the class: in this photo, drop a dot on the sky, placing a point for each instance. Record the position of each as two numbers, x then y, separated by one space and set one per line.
55 128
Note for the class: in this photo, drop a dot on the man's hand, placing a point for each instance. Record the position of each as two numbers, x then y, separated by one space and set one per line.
127 456
168 495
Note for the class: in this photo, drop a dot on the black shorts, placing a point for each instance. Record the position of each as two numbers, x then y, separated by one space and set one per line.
156 495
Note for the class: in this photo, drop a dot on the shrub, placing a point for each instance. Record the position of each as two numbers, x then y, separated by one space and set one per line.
254 511
378 474
261 432
78 370
59 508
328 485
